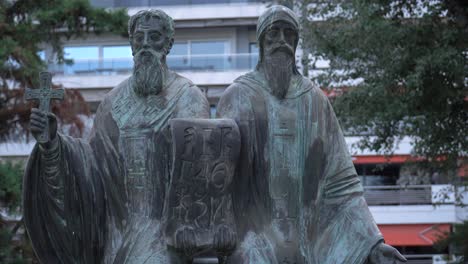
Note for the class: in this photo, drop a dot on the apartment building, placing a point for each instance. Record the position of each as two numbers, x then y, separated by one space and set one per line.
214 44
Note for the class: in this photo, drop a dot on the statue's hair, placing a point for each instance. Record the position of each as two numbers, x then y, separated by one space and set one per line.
166 20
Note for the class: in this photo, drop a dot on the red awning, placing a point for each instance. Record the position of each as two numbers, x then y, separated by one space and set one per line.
413 235
375 159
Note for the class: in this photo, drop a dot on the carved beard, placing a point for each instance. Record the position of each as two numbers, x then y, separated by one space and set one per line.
278 71
148 72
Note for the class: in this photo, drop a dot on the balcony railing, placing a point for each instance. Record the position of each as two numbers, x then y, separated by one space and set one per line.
424 259
133 3
398 195
222 62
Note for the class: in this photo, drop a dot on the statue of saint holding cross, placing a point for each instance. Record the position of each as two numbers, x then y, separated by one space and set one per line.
101 200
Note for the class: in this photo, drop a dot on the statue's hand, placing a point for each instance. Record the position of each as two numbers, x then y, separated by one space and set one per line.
185 240
224 240
38 124
383 254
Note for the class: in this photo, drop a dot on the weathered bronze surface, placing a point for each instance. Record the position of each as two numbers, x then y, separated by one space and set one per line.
102 200
297 198
158 182
44 94
199 217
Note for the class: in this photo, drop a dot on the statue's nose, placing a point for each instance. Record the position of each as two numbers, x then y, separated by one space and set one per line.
145 41
282 40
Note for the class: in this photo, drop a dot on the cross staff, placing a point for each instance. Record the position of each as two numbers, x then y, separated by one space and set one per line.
44 94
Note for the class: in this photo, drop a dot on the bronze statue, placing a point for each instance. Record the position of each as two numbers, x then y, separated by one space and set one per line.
102 200
296 197
159 182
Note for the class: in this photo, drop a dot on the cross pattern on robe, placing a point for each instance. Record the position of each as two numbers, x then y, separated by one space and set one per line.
285 131
44 94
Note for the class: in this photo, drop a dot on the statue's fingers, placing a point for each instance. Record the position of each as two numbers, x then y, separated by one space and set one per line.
37 115
399 256
38 124
35 129
36 110
51 115
39 112
37 119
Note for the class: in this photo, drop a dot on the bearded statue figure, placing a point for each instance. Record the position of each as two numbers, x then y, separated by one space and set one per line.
296 197
101 200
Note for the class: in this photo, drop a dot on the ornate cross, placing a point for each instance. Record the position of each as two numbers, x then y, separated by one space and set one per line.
44 94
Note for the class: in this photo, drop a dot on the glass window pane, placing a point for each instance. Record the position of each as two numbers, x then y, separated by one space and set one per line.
208 47
209 55
179 48
178 57
116 52
78 53
85 59
117 59
253 48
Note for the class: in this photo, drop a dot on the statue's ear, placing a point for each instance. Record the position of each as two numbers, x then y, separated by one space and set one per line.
131 45
169 46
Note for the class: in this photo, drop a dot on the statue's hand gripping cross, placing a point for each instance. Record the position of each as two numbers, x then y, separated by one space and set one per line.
44 94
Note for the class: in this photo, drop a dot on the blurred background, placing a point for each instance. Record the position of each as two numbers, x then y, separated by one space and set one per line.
395 71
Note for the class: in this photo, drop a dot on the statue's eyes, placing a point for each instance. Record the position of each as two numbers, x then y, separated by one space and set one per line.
155 36
289 32
139 37
272 33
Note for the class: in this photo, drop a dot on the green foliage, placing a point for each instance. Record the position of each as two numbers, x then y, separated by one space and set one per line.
8 252
411 60
11 175
458 239
26 27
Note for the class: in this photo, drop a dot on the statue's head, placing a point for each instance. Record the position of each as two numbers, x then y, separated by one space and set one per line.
151 37
278 36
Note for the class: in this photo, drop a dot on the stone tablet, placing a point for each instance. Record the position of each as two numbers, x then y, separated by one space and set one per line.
199 207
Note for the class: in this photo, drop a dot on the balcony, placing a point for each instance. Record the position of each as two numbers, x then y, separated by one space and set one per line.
396 195
216 63
128 3
409 195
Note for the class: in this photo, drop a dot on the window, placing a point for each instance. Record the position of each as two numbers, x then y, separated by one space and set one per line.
199 55
253 47
179 48
178 56
118 52
85 59
213 111
209 55
378 174
79 53
116 59
184 55
253 51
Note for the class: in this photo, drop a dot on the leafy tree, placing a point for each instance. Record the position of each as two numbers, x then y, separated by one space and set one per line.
10 197
402 66
26 27
458 240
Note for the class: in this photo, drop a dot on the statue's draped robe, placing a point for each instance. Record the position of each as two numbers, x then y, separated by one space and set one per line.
296 190
101 201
